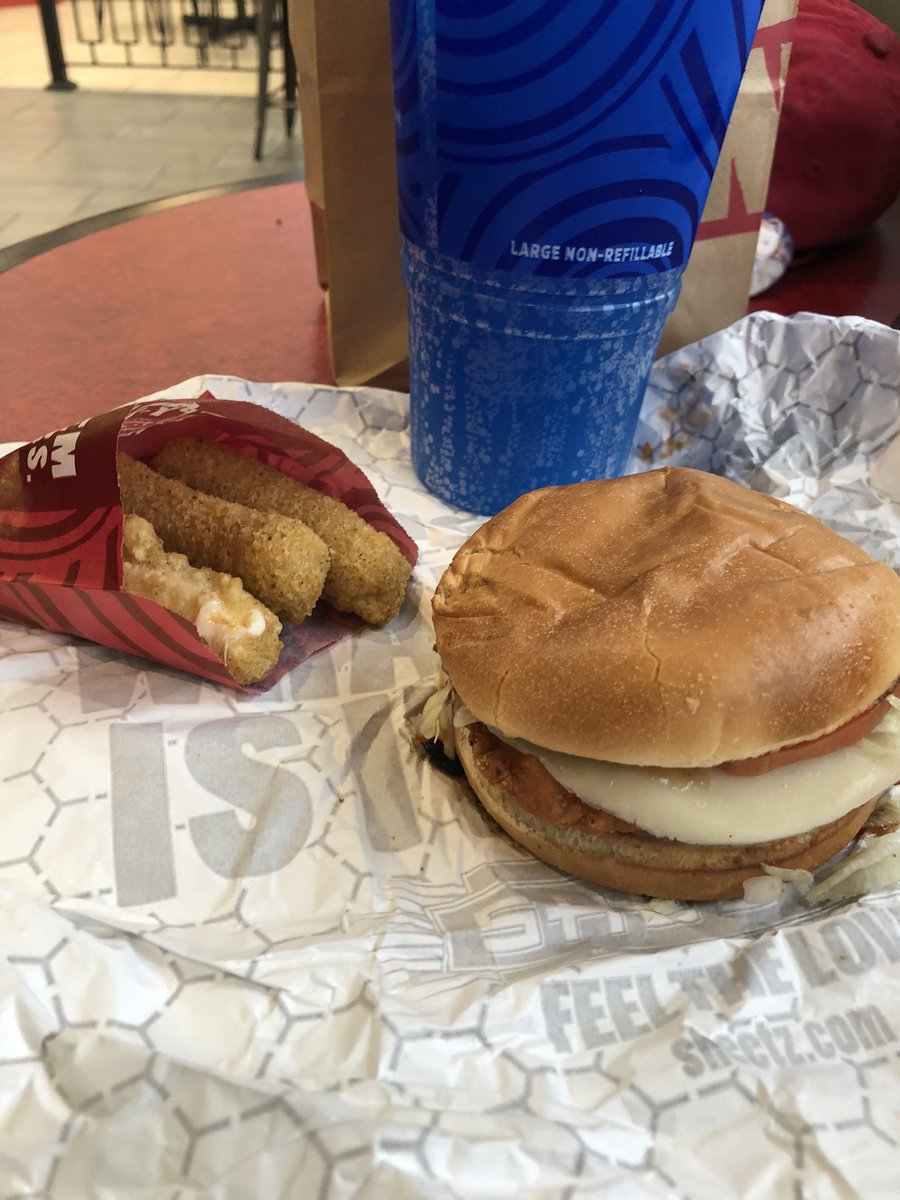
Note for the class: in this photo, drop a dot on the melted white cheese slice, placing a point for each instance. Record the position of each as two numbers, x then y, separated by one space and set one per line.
712 808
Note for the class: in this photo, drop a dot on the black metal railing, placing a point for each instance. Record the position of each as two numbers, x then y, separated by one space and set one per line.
216 35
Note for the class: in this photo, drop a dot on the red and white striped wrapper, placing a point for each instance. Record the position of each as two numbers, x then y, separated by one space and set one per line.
60 553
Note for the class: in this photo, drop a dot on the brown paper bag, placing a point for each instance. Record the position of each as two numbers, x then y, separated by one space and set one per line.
343 54
342 48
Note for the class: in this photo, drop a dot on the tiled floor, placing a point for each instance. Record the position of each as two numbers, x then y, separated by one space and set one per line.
160 132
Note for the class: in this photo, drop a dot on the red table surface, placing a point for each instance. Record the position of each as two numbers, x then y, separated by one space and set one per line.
223 286
227 285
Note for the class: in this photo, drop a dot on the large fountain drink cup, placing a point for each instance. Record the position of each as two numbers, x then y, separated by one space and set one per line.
554 157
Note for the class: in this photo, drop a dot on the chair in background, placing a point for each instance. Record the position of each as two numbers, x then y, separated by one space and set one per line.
272 27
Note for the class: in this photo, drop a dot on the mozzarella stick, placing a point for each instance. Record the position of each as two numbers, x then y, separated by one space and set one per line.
279 559
241 632
368 574
10 483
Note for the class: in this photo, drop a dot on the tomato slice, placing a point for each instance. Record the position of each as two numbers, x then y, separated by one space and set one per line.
845 735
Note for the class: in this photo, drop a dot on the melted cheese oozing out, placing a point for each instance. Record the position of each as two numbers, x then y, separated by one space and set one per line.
217 626
712 808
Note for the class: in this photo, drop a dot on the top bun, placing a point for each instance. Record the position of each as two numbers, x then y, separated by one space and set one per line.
669 618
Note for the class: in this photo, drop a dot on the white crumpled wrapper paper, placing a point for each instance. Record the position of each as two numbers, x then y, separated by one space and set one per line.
260 948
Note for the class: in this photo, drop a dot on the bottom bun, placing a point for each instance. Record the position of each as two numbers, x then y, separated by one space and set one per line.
649 866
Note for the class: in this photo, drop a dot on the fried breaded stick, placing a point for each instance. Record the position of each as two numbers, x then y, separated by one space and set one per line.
10 482
241 632
368 574
280 560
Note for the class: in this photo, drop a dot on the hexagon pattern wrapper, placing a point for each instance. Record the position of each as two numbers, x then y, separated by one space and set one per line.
257 946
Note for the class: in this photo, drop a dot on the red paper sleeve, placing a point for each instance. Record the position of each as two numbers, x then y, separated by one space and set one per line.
60 542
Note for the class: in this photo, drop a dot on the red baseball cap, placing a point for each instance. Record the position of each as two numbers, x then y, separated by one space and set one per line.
836 166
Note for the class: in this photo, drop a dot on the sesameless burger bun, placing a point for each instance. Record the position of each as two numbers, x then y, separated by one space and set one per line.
664 681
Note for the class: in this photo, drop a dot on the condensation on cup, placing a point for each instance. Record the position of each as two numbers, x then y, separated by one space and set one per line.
553 162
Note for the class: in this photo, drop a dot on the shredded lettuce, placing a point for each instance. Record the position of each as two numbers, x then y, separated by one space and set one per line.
873 861
803 879
665 908
763 889
436 721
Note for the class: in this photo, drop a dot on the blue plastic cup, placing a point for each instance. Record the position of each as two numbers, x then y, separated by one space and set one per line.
553 162
521 385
